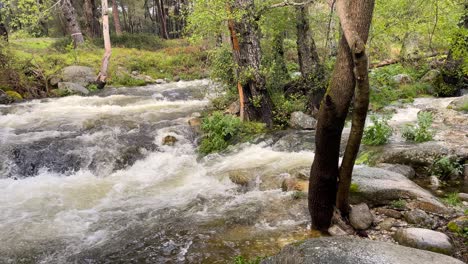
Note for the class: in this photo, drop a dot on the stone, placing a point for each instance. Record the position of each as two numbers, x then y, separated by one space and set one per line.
299 120
434 182
346 250
402 79
360 216
381 187
336 231
160 81
233 109
458 225
54 80
463 197
194 122
430 77
404 170
418 217
176 78
135 73
424 239
79 74
4 98
303 174
291 184
169 140
389 212
239 178
459 102
74 88
387 224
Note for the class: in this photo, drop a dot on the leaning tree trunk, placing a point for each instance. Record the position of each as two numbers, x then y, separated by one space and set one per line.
257 102
102 76
115 15
72 24
355 16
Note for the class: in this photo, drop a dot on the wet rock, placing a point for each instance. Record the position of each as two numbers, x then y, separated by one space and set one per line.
73 88
295 141
360 216
4 98
160 81
291 184
194 122
303 174
424 239
54 80
79 74
239 178
299 120
402 79
381 187
387 224
336 231
458 225
418 217
169 140
463 197
389 212
459 102
404 170
430 77
233 109
346 250
176 78
434 182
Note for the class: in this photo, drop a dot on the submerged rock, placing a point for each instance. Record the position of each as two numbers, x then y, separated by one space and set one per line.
345 250
424 239
169 140
360 216
299 120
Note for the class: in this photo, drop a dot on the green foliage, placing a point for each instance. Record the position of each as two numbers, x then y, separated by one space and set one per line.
284 106
452 199
141 41
442 89
222 66
464 107
92 87
366 157
378 133
16 96
445 167
224 100
222 130
127 80
398 204
422 131
354 188
242 260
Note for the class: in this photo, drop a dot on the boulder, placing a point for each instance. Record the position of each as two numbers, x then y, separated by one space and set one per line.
346 250
54 80
360 216
463 197
380 187
299 120
459 102
194 122
424 239
404 170
239 178
79 74
73 88
430 77
389 212
402 79
418 217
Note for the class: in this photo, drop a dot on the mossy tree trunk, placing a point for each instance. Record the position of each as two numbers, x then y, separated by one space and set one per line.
73 26
350 72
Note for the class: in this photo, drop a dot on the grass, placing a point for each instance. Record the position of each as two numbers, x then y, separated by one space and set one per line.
452 199
398 204
242 260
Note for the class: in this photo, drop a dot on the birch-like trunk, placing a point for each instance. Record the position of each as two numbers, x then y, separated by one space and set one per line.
102 76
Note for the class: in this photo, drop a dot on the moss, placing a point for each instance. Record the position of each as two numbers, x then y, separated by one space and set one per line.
354 188
398 204
452 226
16 96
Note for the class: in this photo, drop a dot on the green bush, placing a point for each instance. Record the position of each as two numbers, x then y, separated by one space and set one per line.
445 167
139 41
284 106
422 131
222 67
378 133
452 199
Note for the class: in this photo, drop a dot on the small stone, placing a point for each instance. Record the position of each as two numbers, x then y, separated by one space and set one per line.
402 79
239 178
233 109
424 239
463 196
435 183
195 114
73 88
159 81
418 217
389 212
303 174
387 224
194 122
54 80
336 231
135 73
176 78
169 140
360 216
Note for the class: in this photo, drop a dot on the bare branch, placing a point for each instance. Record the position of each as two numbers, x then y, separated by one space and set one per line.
291 3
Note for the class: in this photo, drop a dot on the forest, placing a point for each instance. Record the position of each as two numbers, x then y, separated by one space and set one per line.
233 131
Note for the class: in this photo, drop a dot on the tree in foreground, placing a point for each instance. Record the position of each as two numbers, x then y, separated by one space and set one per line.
329 183
102 76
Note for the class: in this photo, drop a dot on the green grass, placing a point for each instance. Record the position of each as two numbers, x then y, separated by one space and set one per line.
399 204
452 199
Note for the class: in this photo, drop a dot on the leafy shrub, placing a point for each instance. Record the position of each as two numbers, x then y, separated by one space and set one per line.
378 133
445 167
284 106
452 199
139 41
222 67
443 89
222 130
398 204
422 131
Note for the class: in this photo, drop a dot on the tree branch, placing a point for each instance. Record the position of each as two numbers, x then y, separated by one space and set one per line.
290 3
355 43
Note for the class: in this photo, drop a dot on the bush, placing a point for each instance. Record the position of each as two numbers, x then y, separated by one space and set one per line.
222 67
139 41
284 106
445 167
378 133
222 130
422 131
452 199
127 80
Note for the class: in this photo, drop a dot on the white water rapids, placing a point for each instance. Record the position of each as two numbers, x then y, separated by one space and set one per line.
87 180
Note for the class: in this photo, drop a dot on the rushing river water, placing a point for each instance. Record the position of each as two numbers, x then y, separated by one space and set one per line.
88 180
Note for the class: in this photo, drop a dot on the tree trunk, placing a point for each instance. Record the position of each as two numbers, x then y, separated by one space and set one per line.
162 19
355 20
257 102
3 32
72 24
115 14
102 76
93 29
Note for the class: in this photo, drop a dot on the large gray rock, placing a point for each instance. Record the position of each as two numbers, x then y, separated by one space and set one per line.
424 239
345 250
404 170
360 216
459 102
73 88
299 120
380 187
79 74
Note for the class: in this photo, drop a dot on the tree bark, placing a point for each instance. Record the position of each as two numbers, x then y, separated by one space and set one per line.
257 102
115 15
102 76
3 32
92 26
334 109
72 24
162 19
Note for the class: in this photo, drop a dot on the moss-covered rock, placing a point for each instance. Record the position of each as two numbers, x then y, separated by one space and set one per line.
14 95
458 225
